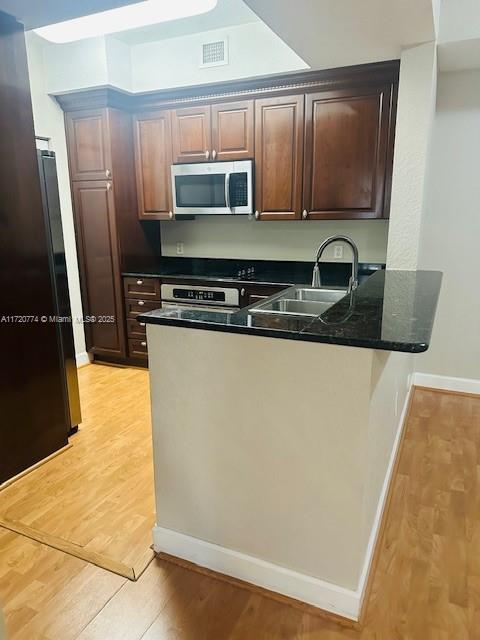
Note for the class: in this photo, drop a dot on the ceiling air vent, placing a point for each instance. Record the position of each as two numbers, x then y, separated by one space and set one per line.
214 54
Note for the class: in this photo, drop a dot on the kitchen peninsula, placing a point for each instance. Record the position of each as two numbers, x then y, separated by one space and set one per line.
275 434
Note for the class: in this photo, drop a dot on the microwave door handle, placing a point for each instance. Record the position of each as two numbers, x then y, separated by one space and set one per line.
227 190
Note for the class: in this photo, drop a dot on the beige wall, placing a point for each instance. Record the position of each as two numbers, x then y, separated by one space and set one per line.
451 231
254 50
239 237
416 103
282 449
391 379
49 122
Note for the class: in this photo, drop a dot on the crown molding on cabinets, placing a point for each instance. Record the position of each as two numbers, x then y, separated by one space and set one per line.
265 86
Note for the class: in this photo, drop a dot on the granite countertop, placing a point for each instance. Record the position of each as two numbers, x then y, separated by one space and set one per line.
391 310
281 272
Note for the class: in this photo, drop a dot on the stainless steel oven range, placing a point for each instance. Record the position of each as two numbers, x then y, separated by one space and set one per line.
209 298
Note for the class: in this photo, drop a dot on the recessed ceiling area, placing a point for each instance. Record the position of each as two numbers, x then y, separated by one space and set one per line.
227 13
34 14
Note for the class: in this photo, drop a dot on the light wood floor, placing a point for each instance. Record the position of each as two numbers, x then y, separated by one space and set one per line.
97 495
426 585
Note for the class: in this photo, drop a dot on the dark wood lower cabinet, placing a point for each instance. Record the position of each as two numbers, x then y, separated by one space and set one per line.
99 268
136 330
138 348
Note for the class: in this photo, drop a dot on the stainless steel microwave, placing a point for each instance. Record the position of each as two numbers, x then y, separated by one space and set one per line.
213 188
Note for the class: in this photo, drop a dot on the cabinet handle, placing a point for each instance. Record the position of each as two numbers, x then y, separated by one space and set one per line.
257 215
143 343
214 154
142 324
170 215
305 214
207 154
242 292
108 173
141 303
109 186
139 281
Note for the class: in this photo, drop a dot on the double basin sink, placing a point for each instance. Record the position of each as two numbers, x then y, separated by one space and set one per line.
300 301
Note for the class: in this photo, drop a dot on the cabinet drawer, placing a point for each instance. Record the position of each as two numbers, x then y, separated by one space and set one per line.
142 288
137 348
136 329
134 307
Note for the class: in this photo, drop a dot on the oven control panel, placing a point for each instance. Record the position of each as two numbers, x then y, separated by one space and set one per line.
203 295
227 296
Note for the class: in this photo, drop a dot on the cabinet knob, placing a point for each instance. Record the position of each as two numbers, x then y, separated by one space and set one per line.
207 154
142 324
305 214
170 215
257 215
109 186
108 173
214 154
143 343
139 281
141 302
242 292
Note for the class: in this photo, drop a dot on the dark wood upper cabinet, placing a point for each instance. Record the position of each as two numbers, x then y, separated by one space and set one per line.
279 157
192 135
153 159
89 152
99 263
233 130
346 139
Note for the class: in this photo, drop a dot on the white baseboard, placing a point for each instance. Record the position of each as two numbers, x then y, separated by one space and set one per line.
372 541
322 594
319 593
465 385
82 359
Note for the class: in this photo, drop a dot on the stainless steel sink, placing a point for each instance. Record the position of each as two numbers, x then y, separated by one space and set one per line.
300 301
325 295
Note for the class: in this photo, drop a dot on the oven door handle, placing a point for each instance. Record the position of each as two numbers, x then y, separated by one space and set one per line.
227 190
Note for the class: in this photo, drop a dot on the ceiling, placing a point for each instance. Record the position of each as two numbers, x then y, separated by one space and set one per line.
38 13
35 14
332 33
225 14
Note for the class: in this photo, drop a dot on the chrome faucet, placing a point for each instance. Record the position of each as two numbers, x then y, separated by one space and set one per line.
353 282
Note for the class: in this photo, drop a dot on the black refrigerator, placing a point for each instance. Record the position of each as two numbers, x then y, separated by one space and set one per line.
33 421
61 297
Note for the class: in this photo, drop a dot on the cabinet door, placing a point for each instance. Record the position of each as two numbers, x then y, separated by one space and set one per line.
99 267
153 159
278 157
346 136
191 129
88 148
233 130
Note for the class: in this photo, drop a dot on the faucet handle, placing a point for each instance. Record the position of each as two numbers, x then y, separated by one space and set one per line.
316 283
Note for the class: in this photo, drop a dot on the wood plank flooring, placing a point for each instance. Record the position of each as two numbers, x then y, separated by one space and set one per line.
426 584
96 496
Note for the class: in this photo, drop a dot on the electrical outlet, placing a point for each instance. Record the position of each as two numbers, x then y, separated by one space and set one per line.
180 248
338 251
